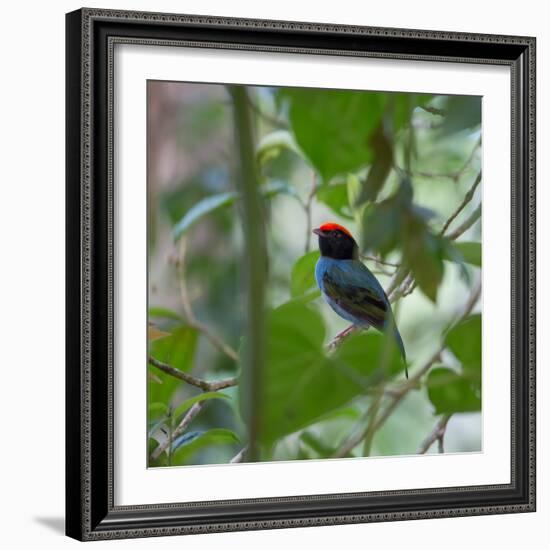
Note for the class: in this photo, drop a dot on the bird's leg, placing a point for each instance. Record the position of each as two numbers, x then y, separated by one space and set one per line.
341 335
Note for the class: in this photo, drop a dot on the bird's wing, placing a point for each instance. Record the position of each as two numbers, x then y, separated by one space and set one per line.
356 290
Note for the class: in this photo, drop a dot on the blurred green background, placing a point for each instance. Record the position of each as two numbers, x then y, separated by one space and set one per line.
394 168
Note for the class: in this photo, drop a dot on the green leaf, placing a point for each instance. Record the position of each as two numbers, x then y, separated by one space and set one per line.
315 443
190 444
333 127
216 202
404 104
271 145
335 196
302 278
380 168
302 384
369 357
184 406
470 251
156 409
201 209
164 313
306 298
354 189
464 340
382 226
424 254
402 110
384 223
462 112
450 392
277 187
459 392
177 350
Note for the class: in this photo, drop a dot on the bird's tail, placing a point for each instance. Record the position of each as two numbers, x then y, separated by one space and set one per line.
399 341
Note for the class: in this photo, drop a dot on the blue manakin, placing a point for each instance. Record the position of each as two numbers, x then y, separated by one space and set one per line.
349 287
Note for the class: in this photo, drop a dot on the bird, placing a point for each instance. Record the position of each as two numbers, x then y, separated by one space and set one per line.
349 287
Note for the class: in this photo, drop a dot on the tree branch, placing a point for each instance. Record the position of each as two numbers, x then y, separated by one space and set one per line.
467 198
182 426
466 224
192 380
437 434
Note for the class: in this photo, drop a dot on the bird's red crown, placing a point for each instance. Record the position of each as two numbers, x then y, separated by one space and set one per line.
330 226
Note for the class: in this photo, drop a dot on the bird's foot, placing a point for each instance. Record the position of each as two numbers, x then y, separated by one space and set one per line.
340 336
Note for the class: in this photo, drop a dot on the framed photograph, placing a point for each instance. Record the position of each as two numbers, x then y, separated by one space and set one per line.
300 274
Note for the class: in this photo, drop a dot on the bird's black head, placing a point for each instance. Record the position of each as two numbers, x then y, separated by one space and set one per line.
336 242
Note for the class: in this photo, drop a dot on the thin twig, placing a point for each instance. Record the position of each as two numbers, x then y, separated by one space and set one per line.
370 431
193 322
239 456
403 285
379 261
192 380
434 110
437 434
182 426
467 198
381 271
466 224
455 176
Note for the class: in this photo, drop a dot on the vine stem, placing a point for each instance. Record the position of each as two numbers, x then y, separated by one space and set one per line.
254 268
307 208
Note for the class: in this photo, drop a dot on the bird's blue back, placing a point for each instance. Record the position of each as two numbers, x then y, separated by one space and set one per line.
341 275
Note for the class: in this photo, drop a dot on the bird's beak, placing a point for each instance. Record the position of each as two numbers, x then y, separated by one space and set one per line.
317 231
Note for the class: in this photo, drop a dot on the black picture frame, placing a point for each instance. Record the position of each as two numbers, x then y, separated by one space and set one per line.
90 512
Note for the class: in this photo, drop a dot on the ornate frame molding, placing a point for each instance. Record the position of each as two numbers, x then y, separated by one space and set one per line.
91 36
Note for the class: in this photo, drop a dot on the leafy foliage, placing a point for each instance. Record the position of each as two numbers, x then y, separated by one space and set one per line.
186 446
204 207
452 392
303 274
392 167
322 118
303 383
178 350
471 252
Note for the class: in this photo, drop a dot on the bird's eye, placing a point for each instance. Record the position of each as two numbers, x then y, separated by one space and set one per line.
338 234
